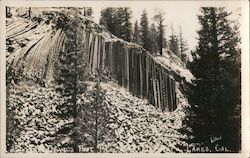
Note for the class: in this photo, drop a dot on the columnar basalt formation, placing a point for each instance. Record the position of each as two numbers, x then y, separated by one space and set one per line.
34 46
134 68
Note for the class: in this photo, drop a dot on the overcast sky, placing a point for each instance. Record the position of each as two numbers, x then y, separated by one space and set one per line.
178 14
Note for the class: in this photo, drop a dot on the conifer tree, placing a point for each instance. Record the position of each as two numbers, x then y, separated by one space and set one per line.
144 30
108 19
174 43
94 117
71 63
215 94
183 47
153 39
159 18
124 26
118 21
136 34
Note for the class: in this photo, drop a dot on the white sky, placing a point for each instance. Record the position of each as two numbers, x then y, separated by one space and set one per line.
178 13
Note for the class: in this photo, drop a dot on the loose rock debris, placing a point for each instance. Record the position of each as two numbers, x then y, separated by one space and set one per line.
137 126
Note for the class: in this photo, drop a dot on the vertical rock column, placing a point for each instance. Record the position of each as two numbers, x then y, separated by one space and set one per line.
133 68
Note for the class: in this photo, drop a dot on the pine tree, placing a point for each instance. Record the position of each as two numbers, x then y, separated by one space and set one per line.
108 19
153 39
144 30
174 43
159 18
71 63
215 94
94 117
124 26
183 47
128 24
117 21
136 34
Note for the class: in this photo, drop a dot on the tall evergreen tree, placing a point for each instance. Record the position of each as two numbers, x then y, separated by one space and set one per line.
144 30
159 18
124 26
71 63
215 94
174 43
128 24
153 39
94 117
136 34
183 47
118 22
108 19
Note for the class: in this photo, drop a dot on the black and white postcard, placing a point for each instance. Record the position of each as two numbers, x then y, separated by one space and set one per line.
124 78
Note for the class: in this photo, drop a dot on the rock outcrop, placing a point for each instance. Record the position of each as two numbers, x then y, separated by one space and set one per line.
34 45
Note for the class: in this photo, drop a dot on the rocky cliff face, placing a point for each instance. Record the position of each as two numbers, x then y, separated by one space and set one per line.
35 45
